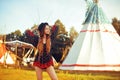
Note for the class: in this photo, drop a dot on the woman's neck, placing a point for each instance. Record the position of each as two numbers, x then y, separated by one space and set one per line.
44 36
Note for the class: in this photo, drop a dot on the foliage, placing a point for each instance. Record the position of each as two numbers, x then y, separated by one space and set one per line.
73 34
59 40
30 37
116 24
18 74
14 35
62 29
18 33
34 30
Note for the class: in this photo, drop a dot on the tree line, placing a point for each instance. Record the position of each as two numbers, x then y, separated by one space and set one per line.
60 38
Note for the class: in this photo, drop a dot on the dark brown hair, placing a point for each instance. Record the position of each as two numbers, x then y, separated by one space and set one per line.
41 29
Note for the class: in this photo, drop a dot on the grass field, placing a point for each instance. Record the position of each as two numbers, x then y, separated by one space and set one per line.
20 74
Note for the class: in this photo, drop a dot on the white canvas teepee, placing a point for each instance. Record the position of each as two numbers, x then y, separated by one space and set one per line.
97 46
7 59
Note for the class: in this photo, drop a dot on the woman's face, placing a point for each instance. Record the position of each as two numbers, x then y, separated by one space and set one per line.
47 30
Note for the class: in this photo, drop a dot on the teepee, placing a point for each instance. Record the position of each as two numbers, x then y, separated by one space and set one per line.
5 56
97 46
2 48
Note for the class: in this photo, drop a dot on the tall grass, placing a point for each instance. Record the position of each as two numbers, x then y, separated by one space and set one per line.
19 74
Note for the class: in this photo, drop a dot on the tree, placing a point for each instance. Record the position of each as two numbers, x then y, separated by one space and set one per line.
30 37
34 29
60 40
73 34
14 35
61 27
18 33
116 25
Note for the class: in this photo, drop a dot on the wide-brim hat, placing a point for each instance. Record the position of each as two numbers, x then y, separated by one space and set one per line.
42 26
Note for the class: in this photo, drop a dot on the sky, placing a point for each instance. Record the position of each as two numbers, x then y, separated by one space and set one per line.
23 14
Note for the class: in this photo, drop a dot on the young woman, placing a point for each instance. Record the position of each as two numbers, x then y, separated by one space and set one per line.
43 59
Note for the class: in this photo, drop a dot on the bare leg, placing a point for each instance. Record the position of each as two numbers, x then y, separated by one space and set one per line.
38 73
50 70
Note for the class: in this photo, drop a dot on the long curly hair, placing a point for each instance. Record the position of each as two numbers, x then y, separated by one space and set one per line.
40 45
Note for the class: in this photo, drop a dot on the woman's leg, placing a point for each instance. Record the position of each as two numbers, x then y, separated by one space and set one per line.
50 70
38 73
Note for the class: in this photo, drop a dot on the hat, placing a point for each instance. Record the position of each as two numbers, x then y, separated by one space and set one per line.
42 26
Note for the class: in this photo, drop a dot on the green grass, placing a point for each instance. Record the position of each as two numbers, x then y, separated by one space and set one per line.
19 74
